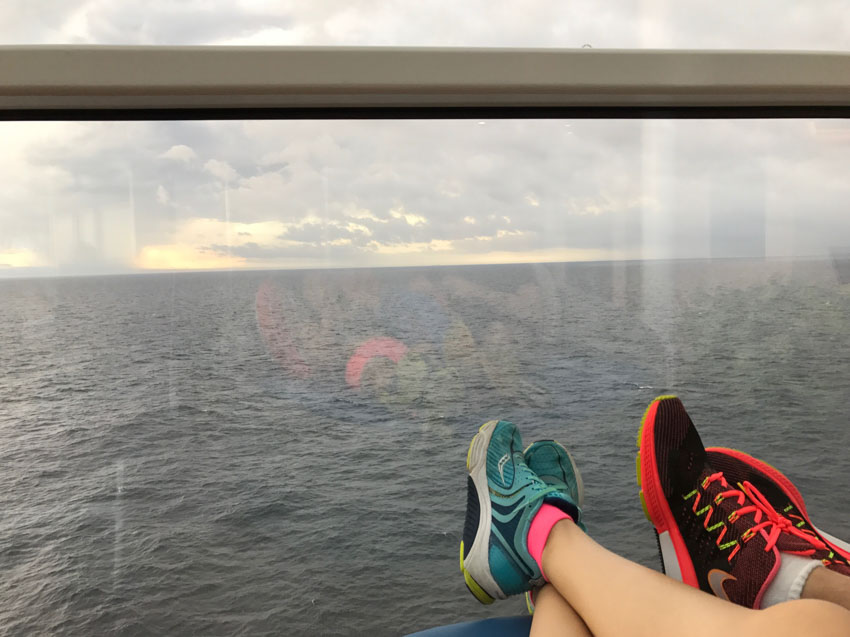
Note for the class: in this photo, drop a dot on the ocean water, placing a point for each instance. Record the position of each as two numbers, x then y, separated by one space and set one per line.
283 453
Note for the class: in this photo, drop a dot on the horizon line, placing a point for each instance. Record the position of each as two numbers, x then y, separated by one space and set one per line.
5 274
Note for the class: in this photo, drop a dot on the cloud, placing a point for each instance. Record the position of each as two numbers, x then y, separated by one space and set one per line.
202 243
410 218
271 36
182 257
221 169
435 245
203 232
354 212
19 258
179 152
162 195
762 24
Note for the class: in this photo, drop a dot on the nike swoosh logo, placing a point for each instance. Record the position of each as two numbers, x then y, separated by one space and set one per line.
716 577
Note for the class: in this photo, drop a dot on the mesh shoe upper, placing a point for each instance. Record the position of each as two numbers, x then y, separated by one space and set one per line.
738 467
724 539
553 464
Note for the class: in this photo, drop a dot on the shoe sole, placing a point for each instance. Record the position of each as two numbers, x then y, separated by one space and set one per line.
788 488
476 566
529 602
674 553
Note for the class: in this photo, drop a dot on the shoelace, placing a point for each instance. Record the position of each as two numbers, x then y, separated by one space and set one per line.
540 490
780 524
774 524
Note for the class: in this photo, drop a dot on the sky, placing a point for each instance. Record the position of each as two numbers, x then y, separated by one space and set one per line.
102 197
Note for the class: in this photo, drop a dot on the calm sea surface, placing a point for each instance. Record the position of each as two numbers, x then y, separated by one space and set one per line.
283 452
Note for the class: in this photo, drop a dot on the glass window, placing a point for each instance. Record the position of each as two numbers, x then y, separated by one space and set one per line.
235 396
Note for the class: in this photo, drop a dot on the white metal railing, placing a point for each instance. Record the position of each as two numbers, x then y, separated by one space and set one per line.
56 81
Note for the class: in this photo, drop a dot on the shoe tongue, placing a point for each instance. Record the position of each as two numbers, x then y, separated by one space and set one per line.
794 540
789 543
563 502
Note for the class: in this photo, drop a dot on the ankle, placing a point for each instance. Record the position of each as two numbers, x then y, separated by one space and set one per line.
558 537
828 586
545 520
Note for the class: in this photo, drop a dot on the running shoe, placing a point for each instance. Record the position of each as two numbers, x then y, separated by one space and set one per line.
502 499
739 467
722 538
554 464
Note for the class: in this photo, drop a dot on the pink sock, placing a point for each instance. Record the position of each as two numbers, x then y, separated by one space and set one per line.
539 530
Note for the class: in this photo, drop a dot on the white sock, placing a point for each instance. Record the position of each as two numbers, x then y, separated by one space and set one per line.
790 580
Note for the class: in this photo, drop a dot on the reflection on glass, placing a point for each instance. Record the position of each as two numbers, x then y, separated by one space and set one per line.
277 442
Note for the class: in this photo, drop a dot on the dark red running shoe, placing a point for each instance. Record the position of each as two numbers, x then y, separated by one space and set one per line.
720 538
780 492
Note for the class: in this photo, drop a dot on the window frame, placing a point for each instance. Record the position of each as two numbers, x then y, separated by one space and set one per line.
111 83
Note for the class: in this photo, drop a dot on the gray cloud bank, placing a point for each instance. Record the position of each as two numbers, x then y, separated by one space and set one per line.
785 24
290 194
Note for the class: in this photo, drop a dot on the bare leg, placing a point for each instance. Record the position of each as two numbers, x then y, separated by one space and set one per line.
801 617
618 598
554 616
828 585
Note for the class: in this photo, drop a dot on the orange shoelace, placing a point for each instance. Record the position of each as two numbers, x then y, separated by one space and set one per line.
766 518
778 523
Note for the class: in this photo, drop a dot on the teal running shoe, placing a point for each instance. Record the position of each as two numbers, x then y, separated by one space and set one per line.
554 464
503 497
